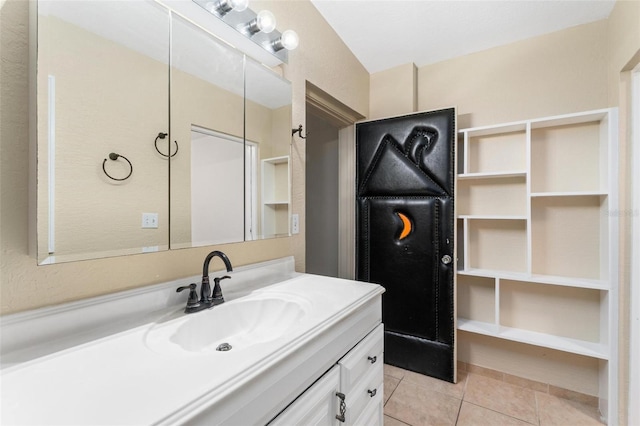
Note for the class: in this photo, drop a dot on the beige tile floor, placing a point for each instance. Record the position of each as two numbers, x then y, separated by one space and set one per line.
477 399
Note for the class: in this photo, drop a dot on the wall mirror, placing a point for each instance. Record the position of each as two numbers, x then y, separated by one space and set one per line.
207 122
268 146
200 132
102 88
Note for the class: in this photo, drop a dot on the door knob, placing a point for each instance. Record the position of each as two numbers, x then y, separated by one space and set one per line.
446 259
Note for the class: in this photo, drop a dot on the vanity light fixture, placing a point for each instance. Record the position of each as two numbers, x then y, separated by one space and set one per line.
252 29
222 7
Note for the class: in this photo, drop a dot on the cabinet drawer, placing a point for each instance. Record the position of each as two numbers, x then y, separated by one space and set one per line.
366 356
365 392
372 415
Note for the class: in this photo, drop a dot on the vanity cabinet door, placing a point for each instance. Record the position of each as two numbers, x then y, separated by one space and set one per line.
317 406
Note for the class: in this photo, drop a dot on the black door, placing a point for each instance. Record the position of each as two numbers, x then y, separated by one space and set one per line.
405 234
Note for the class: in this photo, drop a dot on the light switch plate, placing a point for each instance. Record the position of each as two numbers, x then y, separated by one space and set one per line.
295 223
149 220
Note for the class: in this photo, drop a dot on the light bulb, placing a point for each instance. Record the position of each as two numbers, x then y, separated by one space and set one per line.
239 5
289 39
266 21
222 7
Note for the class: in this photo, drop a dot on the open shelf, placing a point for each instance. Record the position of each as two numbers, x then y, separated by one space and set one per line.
494 175
578 347
506 196
537 278
567 194
497 244
487 148
275 196
476 298
569 236
538 307
537 243
555 163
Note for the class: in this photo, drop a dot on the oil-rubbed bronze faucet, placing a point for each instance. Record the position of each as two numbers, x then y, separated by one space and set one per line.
208 298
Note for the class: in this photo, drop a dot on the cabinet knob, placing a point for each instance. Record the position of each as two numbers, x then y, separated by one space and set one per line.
372 393
446 259
372 359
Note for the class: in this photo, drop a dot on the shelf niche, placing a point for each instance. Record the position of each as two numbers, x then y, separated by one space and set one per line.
569 236
487 150
570 157
538 307
499 245
492 196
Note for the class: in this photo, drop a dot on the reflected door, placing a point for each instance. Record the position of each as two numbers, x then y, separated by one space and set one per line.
405 234
217 177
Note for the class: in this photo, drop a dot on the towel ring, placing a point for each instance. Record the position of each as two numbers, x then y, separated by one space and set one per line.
113 156
162 136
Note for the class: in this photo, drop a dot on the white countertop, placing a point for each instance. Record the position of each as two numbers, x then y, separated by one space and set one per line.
121 379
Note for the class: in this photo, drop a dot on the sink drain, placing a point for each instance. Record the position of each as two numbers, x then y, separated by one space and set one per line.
223 347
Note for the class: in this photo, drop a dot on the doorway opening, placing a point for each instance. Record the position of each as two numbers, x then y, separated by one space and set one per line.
329 188
322 197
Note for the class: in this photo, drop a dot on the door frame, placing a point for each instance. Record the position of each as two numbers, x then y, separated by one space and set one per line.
634 334
325 106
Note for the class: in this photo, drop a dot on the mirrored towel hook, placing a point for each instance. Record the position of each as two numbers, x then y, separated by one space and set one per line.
113 156
298 131
162 136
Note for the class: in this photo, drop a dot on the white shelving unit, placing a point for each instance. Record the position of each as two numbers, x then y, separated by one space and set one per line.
538 237
276 201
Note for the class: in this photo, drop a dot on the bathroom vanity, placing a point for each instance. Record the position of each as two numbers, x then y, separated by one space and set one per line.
304 349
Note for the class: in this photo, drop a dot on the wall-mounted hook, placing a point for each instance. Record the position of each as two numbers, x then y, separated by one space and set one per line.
298 131
162 136
113 156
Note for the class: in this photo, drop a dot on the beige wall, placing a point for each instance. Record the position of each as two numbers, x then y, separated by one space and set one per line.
322 58
94 215
394 91
553 74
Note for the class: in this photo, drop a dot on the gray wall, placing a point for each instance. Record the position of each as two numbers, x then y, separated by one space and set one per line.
322 197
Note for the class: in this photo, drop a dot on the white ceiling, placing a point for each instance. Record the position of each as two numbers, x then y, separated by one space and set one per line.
383 34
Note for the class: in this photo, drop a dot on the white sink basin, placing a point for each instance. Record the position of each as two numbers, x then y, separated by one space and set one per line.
241 323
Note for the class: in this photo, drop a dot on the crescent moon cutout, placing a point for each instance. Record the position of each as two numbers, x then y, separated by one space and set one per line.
406 230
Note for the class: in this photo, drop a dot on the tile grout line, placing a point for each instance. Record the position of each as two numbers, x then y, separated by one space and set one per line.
389 399
502 414
464 392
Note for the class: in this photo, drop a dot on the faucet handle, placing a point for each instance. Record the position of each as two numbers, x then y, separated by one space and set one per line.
192 302
217 290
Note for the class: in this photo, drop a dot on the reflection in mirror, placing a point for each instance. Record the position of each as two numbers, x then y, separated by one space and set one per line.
207 121
268 127
102 87
217 205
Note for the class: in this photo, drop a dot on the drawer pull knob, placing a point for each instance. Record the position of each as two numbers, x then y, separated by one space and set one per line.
372 393
372 359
